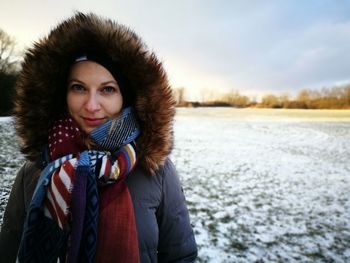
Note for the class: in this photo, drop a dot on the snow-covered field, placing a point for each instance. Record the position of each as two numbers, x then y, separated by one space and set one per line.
261 185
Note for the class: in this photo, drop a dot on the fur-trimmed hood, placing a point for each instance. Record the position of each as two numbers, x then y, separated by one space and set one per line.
41 88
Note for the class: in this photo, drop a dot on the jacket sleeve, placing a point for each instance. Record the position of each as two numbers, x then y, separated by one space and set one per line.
14 215
15 212
176 237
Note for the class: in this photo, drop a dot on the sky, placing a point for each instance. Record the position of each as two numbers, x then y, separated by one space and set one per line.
217 46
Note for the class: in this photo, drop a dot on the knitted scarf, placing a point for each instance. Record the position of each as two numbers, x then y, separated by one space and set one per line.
81 210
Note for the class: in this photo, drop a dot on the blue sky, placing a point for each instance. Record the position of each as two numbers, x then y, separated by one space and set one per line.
211 46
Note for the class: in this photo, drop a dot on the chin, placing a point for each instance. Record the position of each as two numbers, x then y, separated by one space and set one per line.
88 130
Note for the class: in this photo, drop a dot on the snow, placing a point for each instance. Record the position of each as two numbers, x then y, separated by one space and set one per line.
261 185
5 119
270 185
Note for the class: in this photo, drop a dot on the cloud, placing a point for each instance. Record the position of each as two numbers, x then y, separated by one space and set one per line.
318 55
272 47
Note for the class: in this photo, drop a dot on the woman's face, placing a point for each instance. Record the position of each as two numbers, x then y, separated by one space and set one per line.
93 95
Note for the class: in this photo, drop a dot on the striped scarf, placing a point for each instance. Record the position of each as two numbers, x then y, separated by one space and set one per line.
80 192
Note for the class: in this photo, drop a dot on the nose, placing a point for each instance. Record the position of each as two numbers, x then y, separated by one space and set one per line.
92 104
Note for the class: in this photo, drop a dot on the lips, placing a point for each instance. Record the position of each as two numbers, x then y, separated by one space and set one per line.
93 121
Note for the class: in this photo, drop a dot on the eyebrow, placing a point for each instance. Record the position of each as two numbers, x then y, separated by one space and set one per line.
109 81
75 80
103 83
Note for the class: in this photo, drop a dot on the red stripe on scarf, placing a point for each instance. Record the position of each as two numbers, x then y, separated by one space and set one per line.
70 172
50 208
68 167
117 234
59 213
123 163
61 187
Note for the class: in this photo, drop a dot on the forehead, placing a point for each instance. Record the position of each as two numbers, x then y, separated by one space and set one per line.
88 68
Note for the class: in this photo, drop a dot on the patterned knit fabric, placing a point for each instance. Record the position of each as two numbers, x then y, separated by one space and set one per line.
63 217
125 128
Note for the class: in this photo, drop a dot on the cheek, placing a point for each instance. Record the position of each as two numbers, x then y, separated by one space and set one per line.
72 103
115 106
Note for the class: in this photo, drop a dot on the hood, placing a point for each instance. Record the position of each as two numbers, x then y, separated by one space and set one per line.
41 87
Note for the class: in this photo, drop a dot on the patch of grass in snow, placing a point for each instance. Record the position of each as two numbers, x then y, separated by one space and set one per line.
237 245
226 219
315 255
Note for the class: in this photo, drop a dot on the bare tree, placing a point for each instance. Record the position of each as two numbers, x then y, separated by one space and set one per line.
234 98
207 94
304 95
180 94
8 61
271 101
231 97
284 97
346 94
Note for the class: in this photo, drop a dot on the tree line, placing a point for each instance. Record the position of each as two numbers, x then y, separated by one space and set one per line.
327 98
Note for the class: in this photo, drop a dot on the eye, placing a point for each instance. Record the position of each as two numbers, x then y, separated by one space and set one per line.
108 89
77 88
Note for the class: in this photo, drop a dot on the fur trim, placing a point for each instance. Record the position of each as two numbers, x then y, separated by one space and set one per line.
41 88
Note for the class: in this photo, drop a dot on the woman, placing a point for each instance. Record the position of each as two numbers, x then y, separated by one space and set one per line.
94 113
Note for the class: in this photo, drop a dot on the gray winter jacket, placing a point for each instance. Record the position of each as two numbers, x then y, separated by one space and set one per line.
162 220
